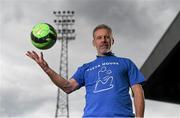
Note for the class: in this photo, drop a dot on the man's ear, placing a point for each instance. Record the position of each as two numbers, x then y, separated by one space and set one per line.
93 42
112 40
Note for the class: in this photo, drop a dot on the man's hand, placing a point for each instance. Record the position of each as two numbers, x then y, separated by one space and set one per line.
39 59
67 86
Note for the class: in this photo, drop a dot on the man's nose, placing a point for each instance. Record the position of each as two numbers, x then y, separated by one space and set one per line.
104 39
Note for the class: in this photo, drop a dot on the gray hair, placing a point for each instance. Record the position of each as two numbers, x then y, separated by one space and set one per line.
102 26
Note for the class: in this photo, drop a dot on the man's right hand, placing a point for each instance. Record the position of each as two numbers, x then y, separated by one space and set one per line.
67 86
39 59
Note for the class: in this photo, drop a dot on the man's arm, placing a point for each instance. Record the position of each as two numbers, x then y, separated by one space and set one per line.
67 86
138 100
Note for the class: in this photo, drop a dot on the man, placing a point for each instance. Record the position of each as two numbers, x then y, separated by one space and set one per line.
107 80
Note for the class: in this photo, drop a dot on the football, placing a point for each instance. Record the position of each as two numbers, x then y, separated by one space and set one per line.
43 36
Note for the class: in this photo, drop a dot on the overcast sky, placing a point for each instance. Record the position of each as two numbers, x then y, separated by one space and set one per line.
26 91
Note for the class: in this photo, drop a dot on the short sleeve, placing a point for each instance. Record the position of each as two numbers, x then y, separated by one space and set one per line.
134 74
79 76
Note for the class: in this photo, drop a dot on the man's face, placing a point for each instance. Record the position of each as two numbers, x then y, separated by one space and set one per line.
102 41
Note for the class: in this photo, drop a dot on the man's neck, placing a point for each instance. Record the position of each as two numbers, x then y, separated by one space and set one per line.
106 54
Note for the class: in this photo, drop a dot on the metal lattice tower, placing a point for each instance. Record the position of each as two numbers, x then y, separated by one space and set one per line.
64 21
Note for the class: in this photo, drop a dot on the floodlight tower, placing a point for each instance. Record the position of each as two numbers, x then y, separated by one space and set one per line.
64 22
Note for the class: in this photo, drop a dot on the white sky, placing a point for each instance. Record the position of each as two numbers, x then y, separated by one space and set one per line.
26 91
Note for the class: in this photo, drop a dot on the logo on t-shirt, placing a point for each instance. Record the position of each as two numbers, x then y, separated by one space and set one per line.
104 81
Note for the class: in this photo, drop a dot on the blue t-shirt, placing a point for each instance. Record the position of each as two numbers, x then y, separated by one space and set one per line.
107 80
